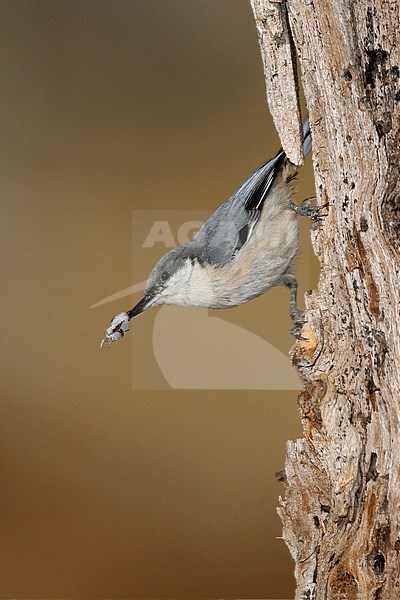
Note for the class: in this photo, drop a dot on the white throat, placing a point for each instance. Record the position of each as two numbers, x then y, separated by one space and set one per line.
190 286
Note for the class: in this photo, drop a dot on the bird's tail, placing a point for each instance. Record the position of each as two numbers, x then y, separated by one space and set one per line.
307 143
255 189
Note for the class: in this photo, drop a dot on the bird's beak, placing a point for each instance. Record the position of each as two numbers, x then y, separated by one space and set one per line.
144 303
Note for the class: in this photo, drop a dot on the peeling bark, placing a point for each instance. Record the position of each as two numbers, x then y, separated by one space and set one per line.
279 60
341 512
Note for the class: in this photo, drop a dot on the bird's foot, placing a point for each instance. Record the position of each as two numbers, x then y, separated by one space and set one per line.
306 209
298 321
119 325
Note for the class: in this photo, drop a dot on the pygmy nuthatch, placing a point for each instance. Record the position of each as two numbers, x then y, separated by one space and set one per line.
245 248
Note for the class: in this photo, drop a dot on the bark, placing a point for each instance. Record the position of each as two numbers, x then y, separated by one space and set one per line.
279 61
341 512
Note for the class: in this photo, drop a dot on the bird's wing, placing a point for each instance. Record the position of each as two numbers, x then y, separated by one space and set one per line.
231 225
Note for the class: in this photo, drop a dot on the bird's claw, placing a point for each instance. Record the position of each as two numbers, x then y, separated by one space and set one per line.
296 332
119 325
299 321
306 209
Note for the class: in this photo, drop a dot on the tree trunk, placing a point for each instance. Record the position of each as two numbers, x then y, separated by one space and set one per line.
341 512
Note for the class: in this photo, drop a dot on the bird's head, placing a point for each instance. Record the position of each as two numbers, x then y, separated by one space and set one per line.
169 281
172 281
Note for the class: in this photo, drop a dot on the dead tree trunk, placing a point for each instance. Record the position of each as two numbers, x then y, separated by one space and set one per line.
341 512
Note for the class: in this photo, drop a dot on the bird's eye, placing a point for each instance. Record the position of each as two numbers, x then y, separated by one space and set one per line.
165 276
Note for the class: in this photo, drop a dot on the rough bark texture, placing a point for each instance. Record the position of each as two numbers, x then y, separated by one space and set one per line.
341 512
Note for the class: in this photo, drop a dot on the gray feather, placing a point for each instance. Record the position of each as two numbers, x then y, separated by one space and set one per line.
222 236
231 225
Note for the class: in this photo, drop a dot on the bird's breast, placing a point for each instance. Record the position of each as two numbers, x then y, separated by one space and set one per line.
261 263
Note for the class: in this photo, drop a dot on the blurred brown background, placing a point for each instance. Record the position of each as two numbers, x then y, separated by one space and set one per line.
107 491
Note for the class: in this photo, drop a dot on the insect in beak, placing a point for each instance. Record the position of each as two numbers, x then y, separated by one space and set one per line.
118 327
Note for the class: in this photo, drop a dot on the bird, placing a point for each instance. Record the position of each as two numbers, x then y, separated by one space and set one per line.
246 247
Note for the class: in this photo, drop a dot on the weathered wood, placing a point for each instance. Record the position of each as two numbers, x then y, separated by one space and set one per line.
279 60
341 512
